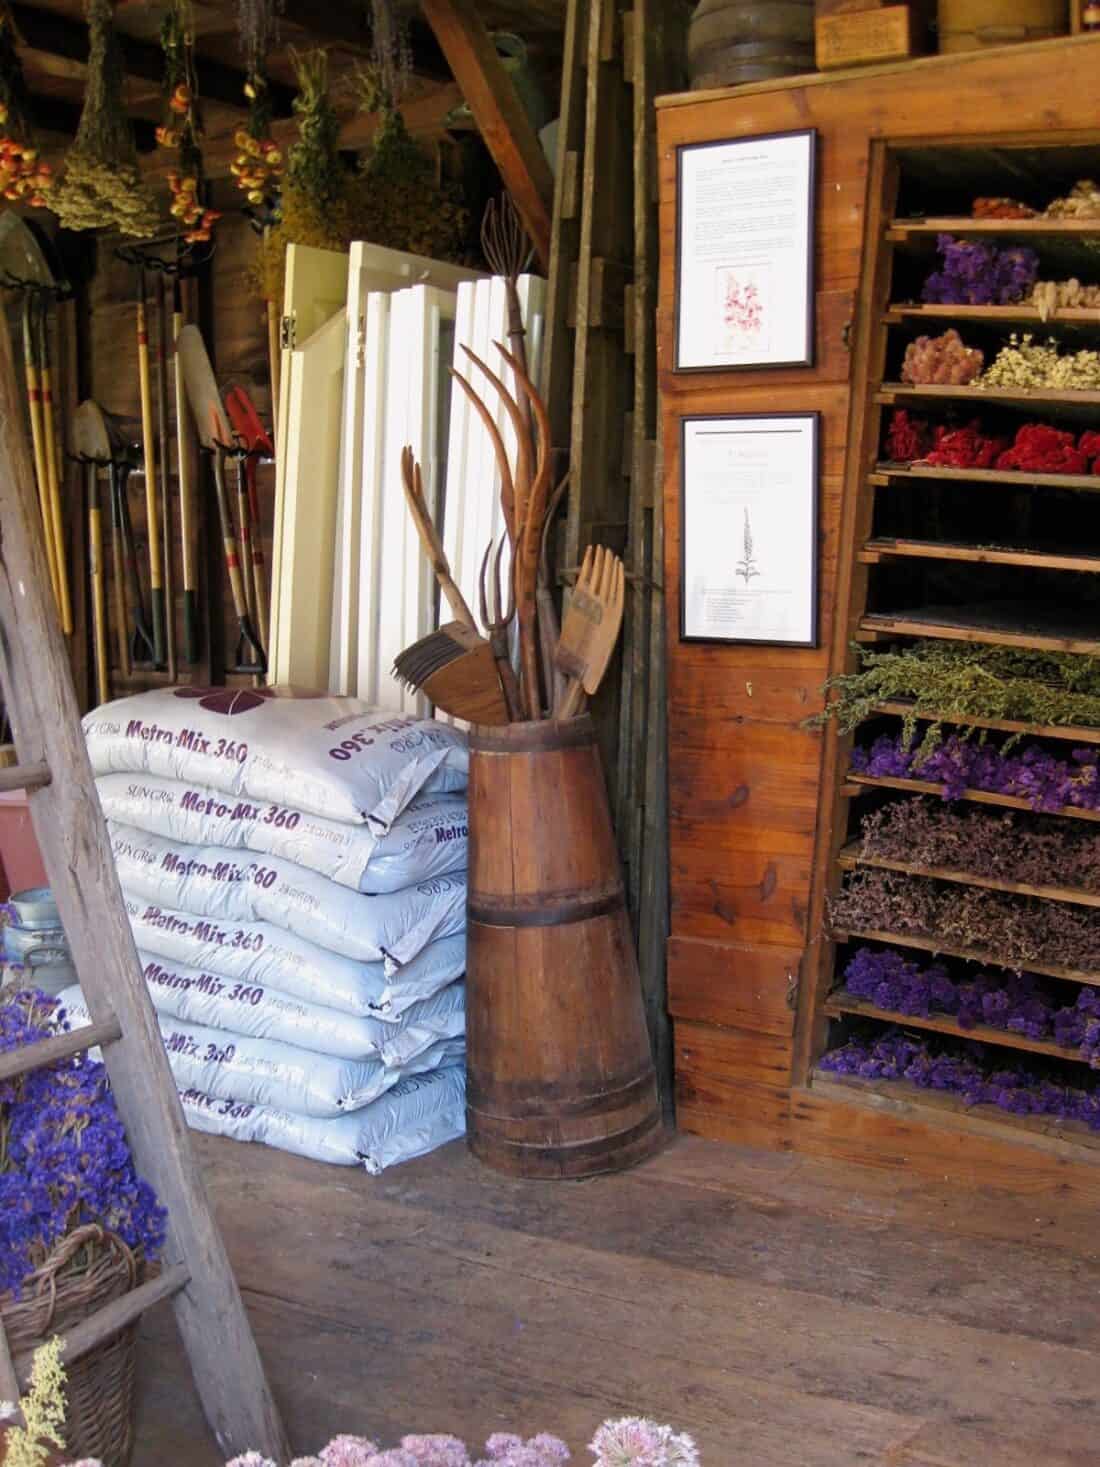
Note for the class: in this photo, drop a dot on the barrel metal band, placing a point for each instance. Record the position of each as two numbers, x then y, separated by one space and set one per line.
556 915
537 738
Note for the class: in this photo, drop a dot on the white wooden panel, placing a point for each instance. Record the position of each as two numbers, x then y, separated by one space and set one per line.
391 270
315 288
344 650
376 355
303 564
393 566
460 439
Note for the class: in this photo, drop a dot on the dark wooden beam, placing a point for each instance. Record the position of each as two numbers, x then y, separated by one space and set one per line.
498 112
53 35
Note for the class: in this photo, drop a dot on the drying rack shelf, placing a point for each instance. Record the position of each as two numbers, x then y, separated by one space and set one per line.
875 551
977 797
1077 733
909 1100
851 857
893 392
1000 624
972 955
1068 315
888 473
900 230
841 1003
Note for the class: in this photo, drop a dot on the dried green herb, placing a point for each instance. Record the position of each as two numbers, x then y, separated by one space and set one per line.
955 682
102 185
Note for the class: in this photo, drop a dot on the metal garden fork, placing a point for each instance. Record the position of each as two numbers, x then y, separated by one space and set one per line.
496 626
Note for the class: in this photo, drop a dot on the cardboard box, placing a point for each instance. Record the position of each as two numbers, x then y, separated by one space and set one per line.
857 38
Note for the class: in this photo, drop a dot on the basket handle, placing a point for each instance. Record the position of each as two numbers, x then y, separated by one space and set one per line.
67 1249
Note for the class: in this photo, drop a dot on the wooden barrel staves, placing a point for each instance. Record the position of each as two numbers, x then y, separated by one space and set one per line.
736 41
560 1076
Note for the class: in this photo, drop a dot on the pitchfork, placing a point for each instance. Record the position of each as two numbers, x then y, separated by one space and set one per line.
496 626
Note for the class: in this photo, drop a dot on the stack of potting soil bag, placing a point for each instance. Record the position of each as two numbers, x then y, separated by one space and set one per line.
294 873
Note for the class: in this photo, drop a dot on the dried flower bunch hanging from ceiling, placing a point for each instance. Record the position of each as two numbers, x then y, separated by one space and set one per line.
258 166
102 186
182 127
22 175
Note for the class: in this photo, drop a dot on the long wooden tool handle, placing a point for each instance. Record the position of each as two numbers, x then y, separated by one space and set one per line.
429 539
163 462
118 570
41 472
53 473
570 702
229 538
152 515
259 565
99 588
244 539
185 469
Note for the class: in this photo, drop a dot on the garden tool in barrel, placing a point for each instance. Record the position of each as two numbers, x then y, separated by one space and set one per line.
215 436
250 431
89 439
25 268
161 374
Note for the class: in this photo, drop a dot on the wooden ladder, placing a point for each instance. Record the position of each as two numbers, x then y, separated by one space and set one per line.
53 767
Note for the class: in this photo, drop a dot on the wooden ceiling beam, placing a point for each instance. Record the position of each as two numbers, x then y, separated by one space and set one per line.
498 112
59 46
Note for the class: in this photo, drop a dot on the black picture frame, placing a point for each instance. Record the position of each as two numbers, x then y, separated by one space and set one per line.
807 358
813 420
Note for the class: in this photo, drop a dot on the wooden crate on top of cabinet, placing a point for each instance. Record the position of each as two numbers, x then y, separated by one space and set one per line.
761 806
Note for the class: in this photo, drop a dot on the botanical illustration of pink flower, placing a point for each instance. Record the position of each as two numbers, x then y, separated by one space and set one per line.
742 308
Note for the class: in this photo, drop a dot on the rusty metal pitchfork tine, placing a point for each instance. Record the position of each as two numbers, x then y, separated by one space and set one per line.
496 627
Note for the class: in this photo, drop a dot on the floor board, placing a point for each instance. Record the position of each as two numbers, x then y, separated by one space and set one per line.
787 1312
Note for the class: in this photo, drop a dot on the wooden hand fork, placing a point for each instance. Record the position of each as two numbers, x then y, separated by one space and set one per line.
590 628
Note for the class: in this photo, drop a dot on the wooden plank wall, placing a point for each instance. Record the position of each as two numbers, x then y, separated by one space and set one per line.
744 775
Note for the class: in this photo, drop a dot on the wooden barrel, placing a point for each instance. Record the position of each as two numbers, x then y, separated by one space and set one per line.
560 1076
968 25
735 41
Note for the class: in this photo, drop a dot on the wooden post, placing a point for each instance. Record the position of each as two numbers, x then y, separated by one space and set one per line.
498 112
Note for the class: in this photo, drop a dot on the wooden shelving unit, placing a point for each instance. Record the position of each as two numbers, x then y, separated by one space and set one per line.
1002 594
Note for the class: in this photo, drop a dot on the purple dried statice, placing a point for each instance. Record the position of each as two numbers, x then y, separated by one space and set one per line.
975 273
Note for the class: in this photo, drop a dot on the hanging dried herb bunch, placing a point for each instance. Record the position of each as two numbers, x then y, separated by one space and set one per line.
102 186
313 165
182 127
22 176
406 203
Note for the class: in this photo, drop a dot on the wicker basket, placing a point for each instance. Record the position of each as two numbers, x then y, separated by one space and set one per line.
90 1268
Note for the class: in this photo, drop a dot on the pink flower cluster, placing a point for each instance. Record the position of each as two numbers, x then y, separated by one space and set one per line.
743 309
501 1450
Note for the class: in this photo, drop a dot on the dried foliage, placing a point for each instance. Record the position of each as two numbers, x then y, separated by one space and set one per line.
944 359
1019 931
102 184
956 682
1002 846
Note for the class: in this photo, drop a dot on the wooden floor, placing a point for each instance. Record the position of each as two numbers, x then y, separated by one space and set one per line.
788 1312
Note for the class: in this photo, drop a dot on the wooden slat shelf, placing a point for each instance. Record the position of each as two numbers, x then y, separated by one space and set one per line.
840 1003
892 392
971 955
906 1099
998 625
851 857
1069 315
1078 733
885 473
978 797
900 230
876 550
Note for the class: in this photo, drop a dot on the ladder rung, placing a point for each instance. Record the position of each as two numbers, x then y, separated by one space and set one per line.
112 1317
49 1051
24 777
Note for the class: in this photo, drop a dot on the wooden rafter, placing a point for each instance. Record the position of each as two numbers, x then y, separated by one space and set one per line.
498 112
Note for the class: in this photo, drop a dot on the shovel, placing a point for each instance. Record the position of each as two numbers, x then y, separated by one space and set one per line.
215 435
149 458
185 467
249 428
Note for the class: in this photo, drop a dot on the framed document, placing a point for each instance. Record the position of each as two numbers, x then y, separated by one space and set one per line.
744 253
748 507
